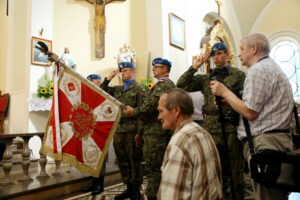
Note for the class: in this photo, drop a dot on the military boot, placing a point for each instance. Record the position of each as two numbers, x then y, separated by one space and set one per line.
99 186
126 194
90 186
136 195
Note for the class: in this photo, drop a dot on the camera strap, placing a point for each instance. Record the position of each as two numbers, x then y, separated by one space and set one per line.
263 57
222 121
249 136
296 119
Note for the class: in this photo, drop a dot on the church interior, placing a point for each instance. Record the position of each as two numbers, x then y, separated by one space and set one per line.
95 38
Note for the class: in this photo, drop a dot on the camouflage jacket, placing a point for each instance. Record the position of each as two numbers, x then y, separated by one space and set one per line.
133 96
234 81
148 112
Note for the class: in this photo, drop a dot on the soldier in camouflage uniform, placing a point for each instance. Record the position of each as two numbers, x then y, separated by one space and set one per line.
155 138
129 156
234 79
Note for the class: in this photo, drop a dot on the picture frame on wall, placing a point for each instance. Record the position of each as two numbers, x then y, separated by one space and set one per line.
176 31
38 57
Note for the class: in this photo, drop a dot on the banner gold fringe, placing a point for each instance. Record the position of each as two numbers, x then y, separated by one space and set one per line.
71 159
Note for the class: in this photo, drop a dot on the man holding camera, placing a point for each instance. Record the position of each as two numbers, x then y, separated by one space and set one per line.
267 103
234 79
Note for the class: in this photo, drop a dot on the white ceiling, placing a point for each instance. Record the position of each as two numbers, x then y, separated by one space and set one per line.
247 12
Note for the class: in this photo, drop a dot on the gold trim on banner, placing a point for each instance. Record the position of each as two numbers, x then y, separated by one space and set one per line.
49 152
91 85
71 159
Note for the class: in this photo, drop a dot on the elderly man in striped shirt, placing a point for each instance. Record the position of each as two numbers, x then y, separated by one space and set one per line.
191 167
267 103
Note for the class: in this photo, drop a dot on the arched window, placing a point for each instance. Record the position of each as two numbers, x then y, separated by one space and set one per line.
286 54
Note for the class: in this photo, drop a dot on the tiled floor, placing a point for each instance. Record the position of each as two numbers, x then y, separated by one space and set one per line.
108 194
111 191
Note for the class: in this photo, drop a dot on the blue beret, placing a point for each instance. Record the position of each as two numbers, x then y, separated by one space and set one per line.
161 61
218 47
93 76
126 65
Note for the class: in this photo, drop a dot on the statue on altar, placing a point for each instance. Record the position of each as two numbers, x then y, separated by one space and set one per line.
214 34
67 59
126 54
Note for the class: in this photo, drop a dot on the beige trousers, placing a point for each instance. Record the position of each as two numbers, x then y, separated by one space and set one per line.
275 141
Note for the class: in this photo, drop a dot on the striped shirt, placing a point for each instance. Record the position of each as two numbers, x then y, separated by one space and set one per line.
191 167
268 92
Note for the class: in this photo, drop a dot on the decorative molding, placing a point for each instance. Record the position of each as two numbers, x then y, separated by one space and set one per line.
285 35
262 15
236 22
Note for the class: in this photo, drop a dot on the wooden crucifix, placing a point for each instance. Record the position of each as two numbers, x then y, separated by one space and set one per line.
99 25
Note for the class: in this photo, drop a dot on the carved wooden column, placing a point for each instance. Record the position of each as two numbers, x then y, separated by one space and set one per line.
43 162
26 161
69 170
7 162
58 170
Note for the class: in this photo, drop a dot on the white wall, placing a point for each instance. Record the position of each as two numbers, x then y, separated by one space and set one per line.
3 46
193 12
41 18
74 28
18 61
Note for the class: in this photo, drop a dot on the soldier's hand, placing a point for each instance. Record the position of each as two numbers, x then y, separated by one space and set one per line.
138 140
128 111
112 74
200 60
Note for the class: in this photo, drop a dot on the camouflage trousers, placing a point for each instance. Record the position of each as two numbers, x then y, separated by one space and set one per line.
154 150
237 164
129 158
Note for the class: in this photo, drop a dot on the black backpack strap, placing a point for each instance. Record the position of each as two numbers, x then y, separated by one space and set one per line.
296 120
249 136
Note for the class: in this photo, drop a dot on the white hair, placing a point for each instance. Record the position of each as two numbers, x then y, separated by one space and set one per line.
260 40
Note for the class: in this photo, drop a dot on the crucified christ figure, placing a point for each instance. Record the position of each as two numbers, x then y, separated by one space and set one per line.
99 25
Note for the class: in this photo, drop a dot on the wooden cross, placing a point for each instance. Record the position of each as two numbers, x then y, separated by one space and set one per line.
99 25
7 4
219 3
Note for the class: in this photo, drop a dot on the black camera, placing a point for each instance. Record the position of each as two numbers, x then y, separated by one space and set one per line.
219 74
232 117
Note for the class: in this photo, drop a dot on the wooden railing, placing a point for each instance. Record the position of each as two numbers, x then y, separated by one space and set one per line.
7 161
24 174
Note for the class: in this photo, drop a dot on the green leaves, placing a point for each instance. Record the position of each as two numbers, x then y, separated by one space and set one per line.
46 90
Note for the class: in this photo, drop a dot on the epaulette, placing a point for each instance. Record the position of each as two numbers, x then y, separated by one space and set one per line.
161 80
